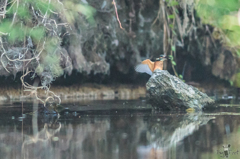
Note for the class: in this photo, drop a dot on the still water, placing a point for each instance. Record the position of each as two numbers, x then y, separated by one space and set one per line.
118 129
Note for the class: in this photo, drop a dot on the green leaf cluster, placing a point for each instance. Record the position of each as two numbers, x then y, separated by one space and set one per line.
224 15
37 33
171 16
17 32
19 24
172 3
74 9
23 9
51 60
172 61
44 7
51 63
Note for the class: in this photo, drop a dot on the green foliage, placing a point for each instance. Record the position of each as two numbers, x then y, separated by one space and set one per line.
5 26
39 69
16 34
174 32
52 44
223 15
23 12
171 16
172 61
238 52
170 57
37 33
181 77
172 3
44 6
74 9
51 64
34 20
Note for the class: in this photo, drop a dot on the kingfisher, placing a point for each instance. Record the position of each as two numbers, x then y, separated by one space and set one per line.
147 66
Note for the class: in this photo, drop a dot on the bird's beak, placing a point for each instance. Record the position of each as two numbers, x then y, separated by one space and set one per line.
164 57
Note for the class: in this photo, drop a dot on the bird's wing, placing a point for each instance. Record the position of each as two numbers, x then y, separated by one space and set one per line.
143 68
149 63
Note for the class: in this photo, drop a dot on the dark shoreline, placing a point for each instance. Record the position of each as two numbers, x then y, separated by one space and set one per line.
85 91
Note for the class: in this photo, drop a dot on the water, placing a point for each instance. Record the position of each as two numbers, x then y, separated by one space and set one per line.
118 130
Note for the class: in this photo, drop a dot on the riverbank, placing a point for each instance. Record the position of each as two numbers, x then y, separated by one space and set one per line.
101 92
86 91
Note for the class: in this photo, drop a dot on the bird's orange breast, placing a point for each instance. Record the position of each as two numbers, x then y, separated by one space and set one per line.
158 65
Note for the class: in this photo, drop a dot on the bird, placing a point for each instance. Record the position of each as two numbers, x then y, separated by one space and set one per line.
147 66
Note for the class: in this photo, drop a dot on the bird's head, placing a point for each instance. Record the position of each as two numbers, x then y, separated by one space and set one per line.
161 58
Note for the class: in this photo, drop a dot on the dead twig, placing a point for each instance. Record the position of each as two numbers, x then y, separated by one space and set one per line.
119 22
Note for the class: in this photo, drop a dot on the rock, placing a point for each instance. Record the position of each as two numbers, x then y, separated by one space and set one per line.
169 92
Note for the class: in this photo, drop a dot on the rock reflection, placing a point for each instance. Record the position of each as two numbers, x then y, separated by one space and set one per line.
99 136
167 130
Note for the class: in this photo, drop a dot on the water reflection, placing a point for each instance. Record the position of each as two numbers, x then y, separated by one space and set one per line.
135 135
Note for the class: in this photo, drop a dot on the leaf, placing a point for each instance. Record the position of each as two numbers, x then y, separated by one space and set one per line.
174 32
171 16
23 12
173 48
52 44
11 9
39 69
88 11
176 11
173 3
174 63
238 53
44 6
180 76
37 33
5 26
51 63
170 57
171 26
16 33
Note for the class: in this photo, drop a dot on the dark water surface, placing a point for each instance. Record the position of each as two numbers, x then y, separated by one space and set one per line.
118 130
